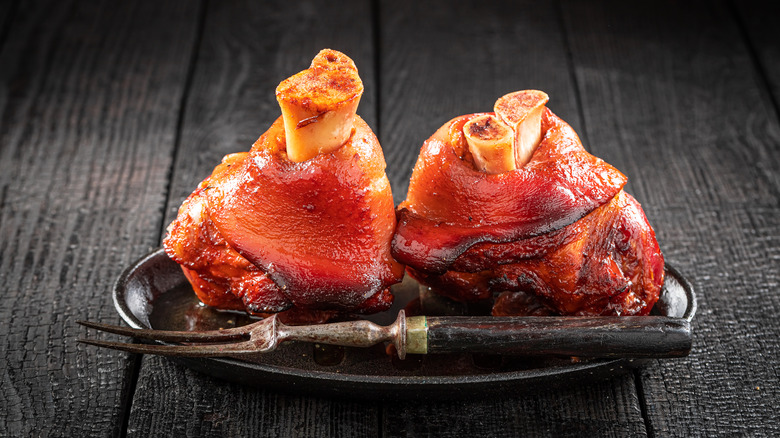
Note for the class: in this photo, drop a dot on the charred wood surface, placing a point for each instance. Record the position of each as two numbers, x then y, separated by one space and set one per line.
112 112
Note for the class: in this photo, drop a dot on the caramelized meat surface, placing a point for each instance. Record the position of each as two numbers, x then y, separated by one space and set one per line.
219 275
267 232
320 229
557 233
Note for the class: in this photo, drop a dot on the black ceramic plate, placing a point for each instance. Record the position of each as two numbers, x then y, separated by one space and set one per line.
153 293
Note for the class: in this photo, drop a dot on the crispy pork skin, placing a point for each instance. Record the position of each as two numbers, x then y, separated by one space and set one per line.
557 232
320 229
302 222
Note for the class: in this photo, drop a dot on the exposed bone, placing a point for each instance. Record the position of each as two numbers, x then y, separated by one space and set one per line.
490 143
522 110
319 104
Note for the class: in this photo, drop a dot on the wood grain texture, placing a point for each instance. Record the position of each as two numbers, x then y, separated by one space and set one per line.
671 97
86 139
595 409
759 22
97 151
246 49
7 8
174 401
446 59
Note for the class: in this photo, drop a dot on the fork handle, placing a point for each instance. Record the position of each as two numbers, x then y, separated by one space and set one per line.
359 333
645 336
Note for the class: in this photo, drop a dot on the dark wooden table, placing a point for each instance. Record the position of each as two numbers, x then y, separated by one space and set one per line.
112 112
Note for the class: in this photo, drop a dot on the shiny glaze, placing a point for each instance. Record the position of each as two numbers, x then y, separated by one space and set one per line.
219 275
451 206
558 233
317 232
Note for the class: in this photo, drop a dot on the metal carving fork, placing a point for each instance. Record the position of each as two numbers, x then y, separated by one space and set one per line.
643 336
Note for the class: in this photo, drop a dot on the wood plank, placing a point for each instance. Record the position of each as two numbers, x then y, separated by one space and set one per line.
628 54
672 98
171 400
759 22
88 112
7 8
247 49
450 59
596 409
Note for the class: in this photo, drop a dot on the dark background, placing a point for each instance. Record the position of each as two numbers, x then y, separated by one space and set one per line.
112 112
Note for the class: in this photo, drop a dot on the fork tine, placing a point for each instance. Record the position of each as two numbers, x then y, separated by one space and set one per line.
235 333
214 350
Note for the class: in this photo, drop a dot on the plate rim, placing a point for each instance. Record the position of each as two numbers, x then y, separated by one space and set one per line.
345 384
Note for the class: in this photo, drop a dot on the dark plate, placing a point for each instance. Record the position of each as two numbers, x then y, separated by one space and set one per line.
153 293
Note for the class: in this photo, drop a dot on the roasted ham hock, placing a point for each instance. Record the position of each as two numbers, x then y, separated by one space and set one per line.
508 206
303 221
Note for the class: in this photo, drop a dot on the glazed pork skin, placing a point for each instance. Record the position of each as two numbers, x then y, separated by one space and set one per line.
607 263
320 229
278 234
220 276
303 221
559 228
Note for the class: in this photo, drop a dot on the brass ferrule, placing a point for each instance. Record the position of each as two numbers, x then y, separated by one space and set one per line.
416 335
